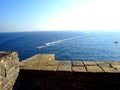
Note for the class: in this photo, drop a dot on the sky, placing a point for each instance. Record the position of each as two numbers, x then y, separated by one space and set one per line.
42 15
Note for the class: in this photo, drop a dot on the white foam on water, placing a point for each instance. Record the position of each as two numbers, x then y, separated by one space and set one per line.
41 47
55 42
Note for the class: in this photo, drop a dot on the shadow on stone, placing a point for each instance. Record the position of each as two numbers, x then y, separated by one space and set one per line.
51 80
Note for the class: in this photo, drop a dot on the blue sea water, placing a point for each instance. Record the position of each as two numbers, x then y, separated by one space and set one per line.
66 45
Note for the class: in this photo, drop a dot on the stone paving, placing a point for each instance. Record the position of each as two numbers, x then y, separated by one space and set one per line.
48 62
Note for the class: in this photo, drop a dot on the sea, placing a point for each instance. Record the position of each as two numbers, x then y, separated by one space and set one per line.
66 45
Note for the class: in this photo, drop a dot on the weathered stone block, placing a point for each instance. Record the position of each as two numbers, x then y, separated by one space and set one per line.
77 63
65 66
0 85
94 69
78 69
89 63
10 63
2 70
13 71
109 69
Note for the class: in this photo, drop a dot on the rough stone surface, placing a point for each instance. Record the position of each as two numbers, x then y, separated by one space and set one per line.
43 72
64 66
48 74
9 69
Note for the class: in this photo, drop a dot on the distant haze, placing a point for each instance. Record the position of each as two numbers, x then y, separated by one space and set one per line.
42 15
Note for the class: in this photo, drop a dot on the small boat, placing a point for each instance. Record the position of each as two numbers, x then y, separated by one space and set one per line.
40 47
46 44
116 42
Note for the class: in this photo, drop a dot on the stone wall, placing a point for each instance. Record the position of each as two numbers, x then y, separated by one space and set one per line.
9 70
42 72
52 80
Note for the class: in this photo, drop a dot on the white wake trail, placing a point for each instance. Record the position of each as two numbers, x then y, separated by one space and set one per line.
55 42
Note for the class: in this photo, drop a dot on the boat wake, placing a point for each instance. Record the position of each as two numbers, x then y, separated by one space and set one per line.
55 42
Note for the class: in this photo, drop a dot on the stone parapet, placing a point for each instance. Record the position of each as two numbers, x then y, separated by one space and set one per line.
9 69
37 59
42 72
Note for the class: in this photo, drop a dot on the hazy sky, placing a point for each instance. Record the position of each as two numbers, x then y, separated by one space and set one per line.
30 15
